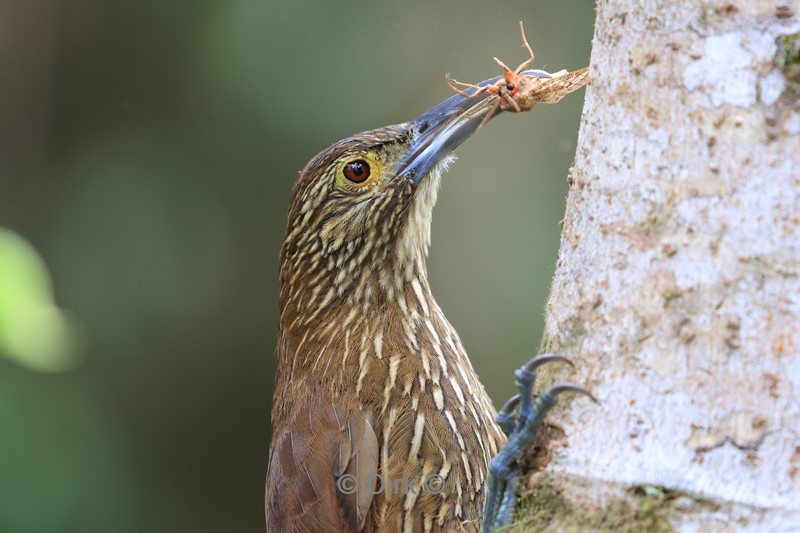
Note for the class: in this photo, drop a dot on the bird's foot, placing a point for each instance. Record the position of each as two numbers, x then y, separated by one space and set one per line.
501 494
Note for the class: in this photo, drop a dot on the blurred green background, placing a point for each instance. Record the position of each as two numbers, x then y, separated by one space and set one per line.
147 150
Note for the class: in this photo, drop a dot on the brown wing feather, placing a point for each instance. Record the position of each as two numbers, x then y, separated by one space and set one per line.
362 468
306 461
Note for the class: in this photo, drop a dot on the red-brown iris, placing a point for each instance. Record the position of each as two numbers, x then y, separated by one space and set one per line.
356 171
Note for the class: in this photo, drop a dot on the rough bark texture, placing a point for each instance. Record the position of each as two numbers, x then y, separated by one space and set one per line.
677 289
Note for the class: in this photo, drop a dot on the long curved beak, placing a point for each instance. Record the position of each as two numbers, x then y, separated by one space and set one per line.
442 129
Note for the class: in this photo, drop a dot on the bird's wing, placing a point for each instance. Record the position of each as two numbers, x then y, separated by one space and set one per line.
323 471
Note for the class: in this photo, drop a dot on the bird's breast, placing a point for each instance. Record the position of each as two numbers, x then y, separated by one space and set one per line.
405 365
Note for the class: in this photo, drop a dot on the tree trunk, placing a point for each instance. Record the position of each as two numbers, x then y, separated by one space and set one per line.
677 290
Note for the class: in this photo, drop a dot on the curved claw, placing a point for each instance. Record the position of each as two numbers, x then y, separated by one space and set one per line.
555 390
545 358
506 417
501 492
510 406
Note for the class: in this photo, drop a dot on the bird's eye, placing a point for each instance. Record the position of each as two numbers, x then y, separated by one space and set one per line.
356 171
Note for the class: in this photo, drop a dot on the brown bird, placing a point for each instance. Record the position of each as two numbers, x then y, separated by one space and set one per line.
379 421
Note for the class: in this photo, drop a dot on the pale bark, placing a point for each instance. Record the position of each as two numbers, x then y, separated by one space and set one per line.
677 290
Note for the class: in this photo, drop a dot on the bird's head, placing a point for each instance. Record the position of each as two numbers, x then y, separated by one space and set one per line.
360 213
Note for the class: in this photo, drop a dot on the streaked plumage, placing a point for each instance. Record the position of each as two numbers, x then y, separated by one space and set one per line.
372 378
